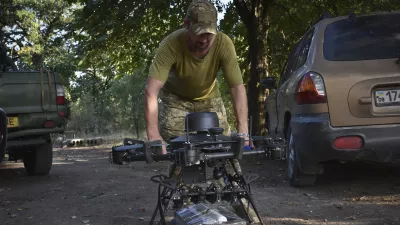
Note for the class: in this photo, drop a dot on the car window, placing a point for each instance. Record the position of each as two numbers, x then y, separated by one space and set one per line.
302 51
298 56
288 65
363 38
284 72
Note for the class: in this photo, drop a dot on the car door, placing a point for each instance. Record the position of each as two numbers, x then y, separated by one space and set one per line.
282 89
271 119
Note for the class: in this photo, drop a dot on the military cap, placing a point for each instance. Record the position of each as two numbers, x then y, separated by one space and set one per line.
203 17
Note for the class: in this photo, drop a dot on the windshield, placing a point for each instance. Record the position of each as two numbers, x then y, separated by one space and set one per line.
364 38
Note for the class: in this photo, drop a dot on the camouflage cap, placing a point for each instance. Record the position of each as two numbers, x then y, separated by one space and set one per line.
203 17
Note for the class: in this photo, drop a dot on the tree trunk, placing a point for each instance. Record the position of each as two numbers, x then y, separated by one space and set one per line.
37 60
135 112
256 20
137 127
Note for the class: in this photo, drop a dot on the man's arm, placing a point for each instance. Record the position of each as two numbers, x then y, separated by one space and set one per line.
233 77
158 74
239 98
151 91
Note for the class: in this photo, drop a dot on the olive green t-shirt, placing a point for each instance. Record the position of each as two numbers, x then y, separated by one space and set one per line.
194 78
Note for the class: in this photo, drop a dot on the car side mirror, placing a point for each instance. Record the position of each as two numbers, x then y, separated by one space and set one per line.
268 83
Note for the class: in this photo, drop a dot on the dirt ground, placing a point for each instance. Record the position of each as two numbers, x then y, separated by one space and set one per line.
83 188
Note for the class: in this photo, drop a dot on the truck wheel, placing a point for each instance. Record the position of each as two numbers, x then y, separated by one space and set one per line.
296 177
3 145
3 134
39 160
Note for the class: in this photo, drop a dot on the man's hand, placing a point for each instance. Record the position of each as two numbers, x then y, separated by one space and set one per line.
239 98
248 143
241 112
157 138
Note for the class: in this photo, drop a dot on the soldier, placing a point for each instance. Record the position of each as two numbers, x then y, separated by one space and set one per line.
184 72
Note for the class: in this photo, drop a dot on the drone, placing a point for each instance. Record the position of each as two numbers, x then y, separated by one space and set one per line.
209 186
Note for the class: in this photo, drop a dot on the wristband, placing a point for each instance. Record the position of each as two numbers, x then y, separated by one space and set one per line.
242 135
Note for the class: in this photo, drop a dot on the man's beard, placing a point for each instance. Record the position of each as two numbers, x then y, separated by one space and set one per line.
198 46
201 46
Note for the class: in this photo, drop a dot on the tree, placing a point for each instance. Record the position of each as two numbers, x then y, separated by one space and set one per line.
254 16
35 29
264 23
115 110
38 34
8 16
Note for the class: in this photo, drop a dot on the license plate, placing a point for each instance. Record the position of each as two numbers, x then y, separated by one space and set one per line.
387 97
12 122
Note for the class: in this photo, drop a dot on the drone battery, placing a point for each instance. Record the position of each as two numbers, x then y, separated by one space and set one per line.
194 174
204 213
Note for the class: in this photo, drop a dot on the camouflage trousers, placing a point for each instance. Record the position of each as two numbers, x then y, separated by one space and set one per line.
173 110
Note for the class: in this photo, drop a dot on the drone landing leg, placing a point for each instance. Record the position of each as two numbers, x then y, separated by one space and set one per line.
164 198
251 207
159 207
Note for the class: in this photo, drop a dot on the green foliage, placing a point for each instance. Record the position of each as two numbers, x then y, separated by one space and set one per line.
235 29
227 99
36 29
118 109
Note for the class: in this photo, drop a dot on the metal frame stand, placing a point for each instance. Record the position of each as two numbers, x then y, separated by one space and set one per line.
168 187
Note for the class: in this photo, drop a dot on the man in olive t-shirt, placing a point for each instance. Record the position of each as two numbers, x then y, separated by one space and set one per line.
185 69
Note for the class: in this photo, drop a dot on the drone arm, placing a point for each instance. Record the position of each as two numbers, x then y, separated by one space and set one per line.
151 151
227 155
150 157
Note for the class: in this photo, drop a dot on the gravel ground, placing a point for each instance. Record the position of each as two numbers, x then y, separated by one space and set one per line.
83 188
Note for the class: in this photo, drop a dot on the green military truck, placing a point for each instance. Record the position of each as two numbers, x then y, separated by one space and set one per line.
36 107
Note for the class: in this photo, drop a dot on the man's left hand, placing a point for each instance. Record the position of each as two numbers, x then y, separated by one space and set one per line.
247 144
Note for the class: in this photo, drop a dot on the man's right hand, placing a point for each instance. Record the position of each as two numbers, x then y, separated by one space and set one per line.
157 138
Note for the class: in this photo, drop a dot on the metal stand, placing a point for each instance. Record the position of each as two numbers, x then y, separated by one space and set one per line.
167 188
164 197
